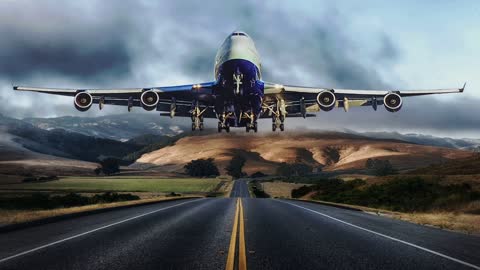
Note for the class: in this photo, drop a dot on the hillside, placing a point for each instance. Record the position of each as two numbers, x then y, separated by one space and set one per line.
464 166
121 127
331 151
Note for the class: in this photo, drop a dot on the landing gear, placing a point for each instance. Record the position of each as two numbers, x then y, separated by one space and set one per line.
253 127
224 123
197 116
278 112
222 126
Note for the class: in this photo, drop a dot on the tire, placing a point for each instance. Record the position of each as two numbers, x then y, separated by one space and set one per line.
282 127
247 129
220 128
193 127
227 129
274 127
255 127
200 127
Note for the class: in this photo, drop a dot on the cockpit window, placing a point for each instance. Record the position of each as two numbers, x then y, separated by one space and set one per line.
239 34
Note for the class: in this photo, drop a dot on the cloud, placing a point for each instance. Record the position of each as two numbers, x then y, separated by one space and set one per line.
139 43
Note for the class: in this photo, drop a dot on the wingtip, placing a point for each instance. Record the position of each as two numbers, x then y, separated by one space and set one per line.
15 87
463 88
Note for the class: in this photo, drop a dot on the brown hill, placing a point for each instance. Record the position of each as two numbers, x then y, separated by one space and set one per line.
464 166
330 150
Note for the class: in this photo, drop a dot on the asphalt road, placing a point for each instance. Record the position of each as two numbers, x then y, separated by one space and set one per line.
243 233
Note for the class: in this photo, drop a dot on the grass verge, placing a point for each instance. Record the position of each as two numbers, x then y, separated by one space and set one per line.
21 216
459 222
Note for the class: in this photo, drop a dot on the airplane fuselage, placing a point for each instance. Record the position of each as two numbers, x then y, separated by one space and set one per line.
239 89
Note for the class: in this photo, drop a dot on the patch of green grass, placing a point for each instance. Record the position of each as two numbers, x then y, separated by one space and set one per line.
131 184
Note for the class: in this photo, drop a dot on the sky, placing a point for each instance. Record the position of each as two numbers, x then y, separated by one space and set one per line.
335 44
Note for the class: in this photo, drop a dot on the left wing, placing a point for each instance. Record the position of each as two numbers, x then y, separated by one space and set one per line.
310 99
165 98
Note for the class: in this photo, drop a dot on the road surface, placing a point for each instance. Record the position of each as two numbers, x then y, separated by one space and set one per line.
236 233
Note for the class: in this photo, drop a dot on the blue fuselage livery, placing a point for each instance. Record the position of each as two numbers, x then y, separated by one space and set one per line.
239 89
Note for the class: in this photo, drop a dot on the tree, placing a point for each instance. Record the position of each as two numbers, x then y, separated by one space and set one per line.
110 166
380 167
202 167
235 166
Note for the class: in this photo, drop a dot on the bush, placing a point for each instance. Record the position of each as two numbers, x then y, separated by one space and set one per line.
380 167
293 169
301 191
202 167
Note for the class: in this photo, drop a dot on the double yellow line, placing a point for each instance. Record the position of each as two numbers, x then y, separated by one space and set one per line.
242 258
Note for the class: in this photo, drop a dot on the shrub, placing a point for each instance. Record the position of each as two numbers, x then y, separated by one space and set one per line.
202 167
380 167
293 169
301 191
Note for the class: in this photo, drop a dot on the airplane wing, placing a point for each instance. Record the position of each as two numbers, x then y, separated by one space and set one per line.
313 99
164 98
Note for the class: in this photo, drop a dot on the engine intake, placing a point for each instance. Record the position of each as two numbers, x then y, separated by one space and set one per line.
83 101
392 102
149 100
326 100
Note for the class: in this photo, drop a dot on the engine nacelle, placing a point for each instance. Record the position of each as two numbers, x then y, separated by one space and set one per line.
149 100
326 100
83 101
393 102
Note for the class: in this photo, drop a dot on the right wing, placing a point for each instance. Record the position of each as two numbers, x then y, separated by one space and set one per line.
298 97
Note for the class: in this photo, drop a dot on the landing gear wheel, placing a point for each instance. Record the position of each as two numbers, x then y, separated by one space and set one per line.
200 127
282 127
274 127
255 127
227 129
193 127
220 127
247 128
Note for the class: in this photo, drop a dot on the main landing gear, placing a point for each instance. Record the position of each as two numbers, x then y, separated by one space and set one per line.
279 113
224 122
197 117
251 123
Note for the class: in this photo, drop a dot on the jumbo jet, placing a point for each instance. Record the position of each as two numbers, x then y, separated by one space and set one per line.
238 96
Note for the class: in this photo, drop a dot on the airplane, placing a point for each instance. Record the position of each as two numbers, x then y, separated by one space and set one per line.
238 96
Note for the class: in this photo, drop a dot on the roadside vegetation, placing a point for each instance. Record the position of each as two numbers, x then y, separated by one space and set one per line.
400 194
256 189
47 201
120 184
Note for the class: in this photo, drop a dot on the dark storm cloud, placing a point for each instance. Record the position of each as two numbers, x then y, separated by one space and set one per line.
51 38
113 43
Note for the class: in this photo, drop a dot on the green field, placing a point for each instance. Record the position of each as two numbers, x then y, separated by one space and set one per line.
120 184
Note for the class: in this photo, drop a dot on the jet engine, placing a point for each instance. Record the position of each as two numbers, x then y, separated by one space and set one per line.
326 100
392 102
83 101
149 100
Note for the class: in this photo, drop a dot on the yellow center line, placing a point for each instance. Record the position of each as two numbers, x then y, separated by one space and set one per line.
233 241
242 258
